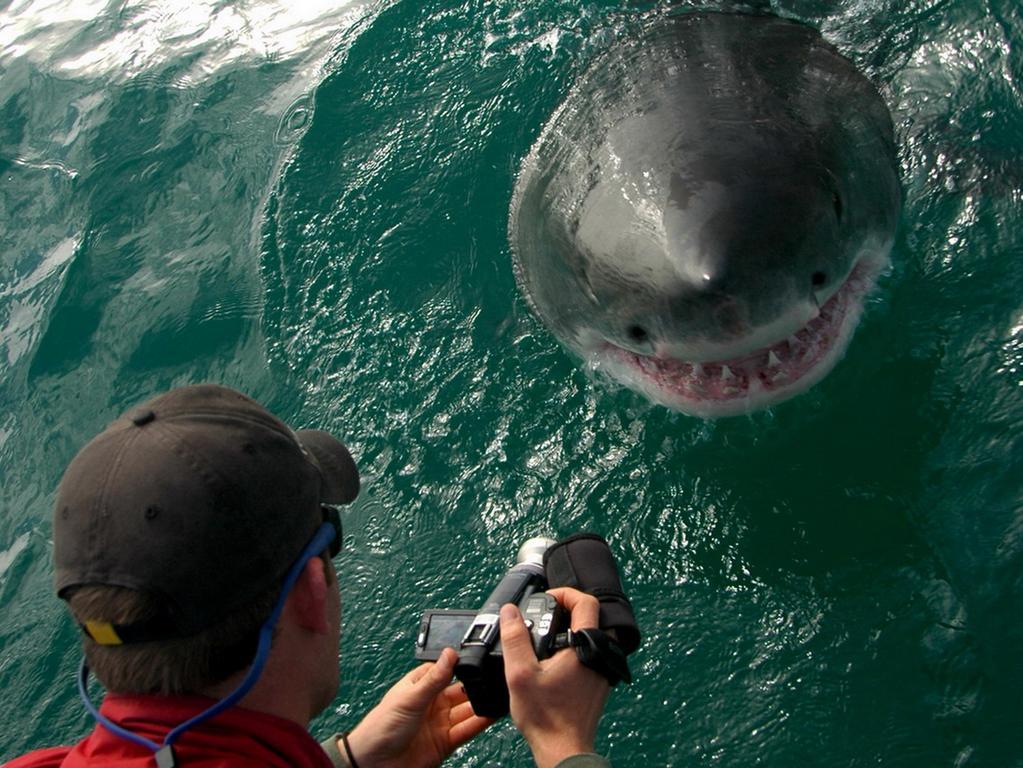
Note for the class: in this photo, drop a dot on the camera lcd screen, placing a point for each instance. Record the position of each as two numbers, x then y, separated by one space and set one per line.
441 629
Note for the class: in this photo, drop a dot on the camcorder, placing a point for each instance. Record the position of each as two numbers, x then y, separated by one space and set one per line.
583 561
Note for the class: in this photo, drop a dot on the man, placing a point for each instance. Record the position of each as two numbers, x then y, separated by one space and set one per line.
193 541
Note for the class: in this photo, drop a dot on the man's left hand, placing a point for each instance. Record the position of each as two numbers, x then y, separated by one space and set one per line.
421 720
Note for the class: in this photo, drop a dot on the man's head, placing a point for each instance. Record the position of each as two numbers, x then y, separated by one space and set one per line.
174 528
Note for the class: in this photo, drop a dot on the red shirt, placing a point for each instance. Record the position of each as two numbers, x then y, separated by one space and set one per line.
237 738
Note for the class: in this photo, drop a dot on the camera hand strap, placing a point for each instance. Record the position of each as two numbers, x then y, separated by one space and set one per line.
599 651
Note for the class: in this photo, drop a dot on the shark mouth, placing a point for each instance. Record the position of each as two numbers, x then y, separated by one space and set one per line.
758 379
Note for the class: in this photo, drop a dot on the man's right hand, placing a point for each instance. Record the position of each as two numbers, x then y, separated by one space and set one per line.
556 703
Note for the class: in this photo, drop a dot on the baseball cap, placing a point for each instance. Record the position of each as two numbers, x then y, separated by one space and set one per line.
200 497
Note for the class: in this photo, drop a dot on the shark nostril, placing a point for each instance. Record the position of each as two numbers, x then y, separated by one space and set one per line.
818 279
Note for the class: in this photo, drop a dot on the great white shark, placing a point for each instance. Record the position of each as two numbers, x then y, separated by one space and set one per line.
704 214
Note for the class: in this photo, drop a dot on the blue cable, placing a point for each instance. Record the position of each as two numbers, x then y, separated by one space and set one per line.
110 725
319 543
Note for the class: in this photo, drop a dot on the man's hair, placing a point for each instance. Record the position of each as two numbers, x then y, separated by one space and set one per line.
181 665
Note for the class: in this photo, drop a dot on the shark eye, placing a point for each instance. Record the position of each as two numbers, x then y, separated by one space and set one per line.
818 279
637 334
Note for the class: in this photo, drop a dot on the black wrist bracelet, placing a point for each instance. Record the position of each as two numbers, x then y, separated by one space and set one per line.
348 750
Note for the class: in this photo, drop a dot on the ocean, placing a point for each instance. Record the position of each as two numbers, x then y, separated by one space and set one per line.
309 202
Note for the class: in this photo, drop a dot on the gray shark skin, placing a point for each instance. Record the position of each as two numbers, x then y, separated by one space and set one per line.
706 211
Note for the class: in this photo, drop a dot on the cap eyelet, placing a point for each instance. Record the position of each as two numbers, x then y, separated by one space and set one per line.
141 416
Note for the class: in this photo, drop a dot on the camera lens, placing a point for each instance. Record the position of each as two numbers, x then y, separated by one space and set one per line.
532 550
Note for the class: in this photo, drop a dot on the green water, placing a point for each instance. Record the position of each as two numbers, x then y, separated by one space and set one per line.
309 202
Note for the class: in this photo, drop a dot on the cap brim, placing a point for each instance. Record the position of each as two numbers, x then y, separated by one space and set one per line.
336 465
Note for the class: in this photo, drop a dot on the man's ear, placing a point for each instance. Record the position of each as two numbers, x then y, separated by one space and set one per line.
307 603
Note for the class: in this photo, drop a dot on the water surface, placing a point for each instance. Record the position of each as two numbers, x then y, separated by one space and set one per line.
309 202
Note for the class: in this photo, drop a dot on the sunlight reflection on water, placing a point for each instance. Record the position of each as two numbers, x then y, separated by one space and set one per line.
145 35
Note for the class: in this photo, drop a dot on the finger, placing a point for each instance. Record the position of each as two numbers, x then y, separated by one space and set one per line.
455 694
466 729
445 665
417 674
461 712
585 608
517 647
439 676
425 682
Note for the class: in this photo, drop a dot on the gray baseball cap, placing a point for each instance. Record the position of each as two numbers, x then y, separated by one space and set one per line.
200 497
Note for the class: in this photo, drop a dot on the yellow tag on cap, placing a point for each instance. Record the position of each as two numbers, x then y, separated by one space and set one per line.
103 633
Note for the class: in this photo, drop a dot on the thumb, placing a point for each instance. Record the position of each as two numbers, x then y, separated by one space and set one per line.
516 645
429 680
